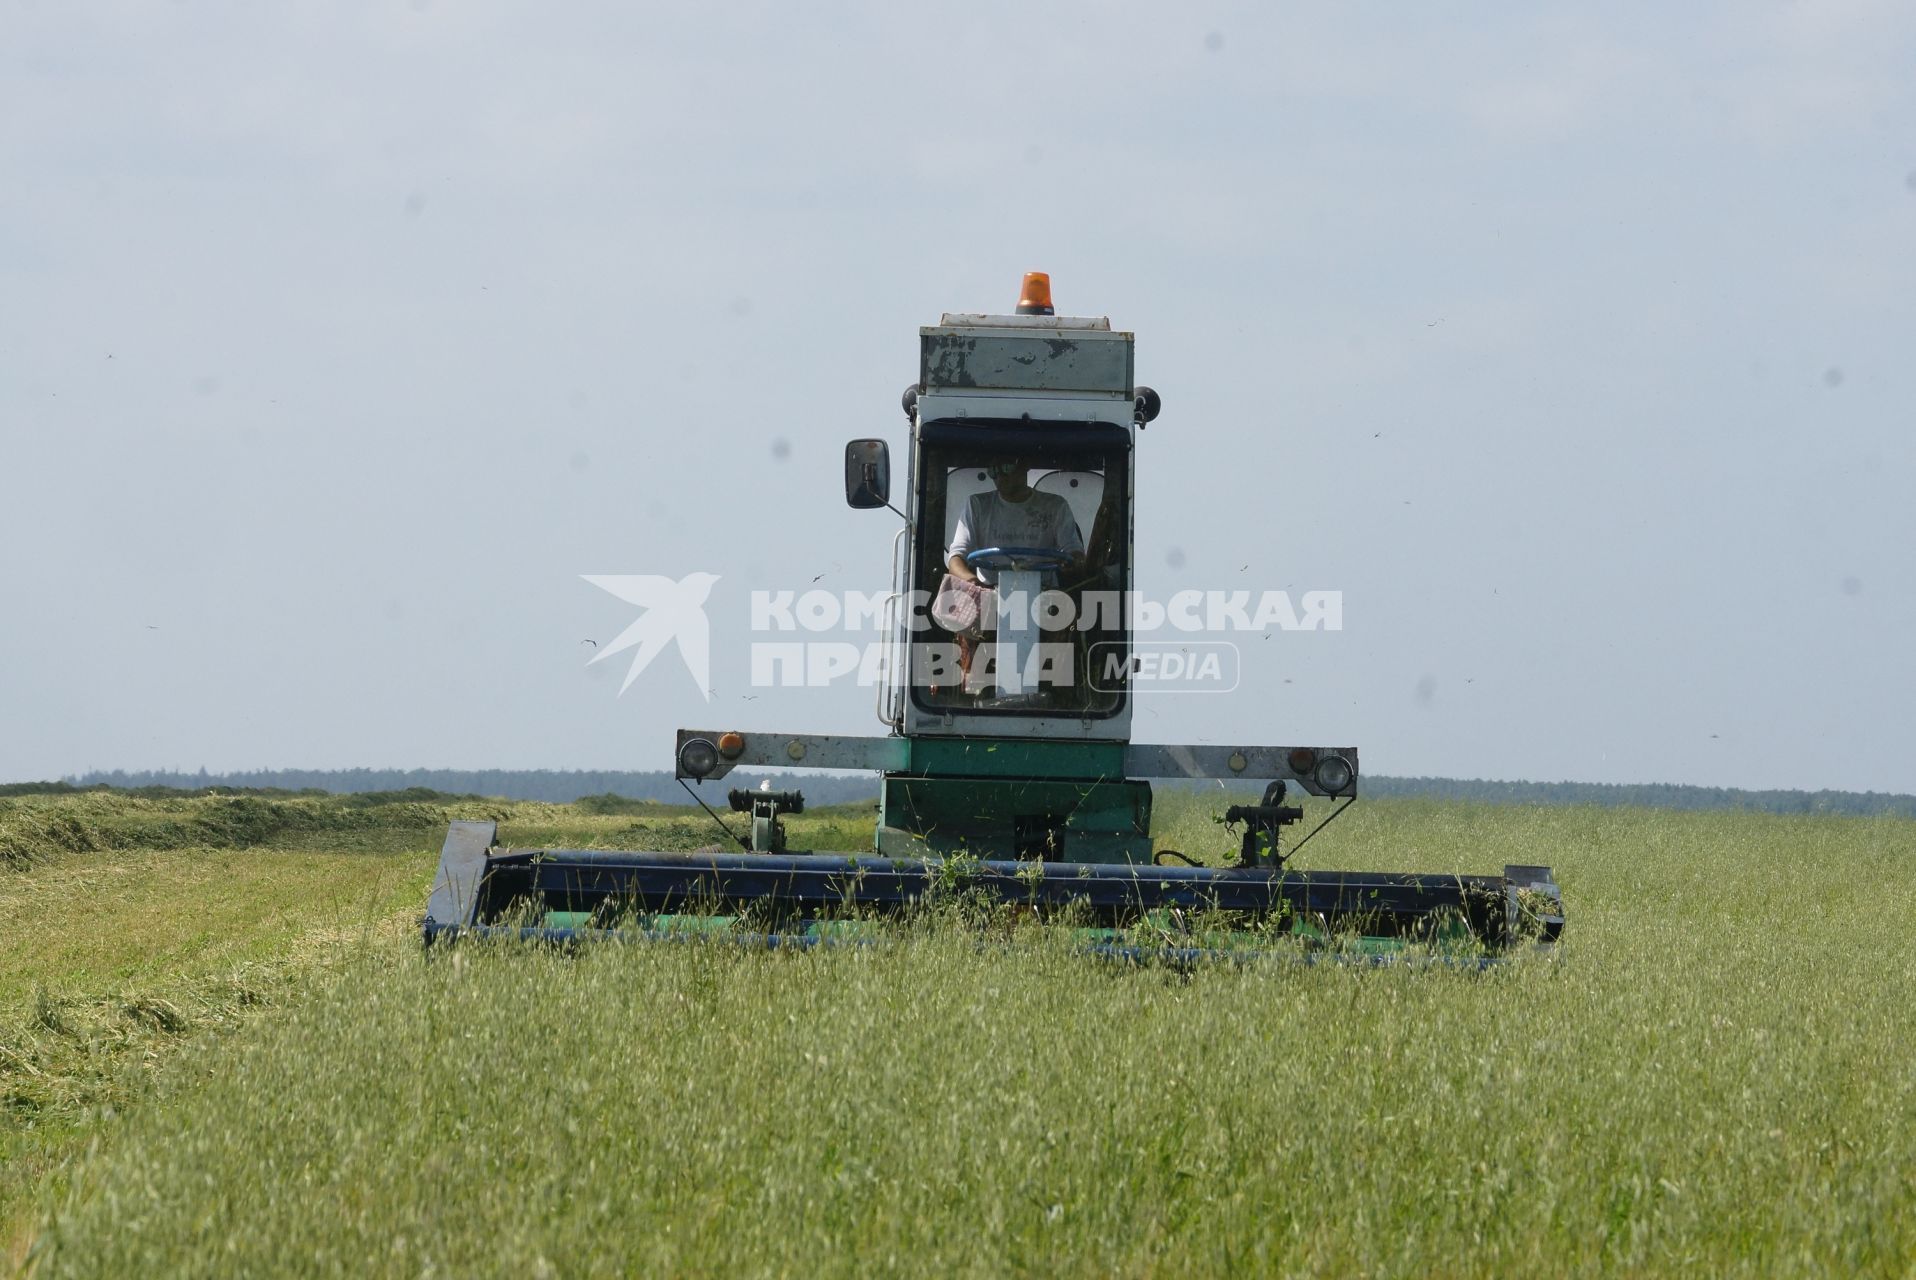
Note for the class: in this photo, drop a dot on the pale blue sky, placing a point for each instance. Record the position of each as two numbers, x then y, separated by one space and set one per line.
1571 343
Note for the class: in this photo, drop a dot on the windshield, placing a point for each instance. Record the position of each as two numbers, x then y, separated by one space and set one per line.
1021 555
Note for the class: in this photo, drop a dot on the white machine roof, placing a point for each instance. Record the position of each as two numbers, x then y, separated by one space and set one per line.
973 320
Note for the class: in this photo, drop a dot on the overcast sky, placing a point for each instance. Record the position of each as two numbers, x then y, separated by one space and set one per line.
1573 344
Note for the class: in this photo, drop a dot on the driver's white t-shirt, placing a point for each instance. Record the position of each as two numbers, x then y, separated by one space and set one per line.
991 520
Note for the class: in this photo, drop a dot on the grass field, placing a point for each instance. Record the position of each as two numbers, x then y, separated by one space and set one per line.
220 1052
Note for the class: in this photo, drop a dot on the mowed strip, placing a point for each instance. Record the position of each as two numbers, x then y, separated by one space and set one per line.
111 960
86 925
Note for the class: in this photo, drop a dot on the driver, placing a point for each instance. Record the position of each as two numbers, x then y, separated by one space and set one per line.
1013 514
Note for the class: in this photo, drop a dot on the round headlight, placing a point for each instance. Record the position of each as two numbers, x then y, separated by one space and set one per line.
697 757
1334 774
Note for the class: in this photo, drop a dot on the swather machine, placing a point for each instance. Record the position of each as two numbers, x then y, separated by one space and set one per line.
1008 763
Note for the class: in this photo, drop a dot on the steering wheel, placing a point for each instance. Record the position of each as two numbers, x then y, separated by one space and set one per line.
1012 559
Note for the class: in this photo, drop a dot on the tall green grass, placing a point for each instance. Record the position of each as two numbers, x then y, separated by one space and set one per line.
1714 1077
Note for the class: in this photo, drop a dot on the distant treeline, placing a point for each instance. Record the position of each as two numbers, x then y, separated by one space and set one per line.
1648 795
562 786
558 786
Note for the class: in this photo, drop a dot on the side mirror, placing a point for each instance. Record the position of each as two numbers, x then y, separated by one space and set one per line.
867 474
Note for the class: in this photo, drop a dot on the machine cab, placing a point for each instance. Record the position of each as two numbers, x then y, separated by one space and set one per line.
1014 571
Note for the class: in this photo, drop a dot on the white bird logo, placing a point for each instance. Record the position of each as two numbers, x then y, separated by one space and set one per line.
674 611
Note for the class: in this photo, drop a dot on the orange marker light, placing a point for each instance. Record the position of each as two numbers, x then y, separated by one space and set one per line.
730 745
1035 298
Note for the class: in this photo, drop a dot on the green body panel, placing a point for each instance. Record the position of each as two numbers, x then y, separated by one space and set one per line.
1015 798
1014 758
995 818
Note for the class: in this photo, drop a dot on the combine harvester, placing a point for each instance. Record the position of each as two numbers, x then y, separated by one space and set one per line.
1008 770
